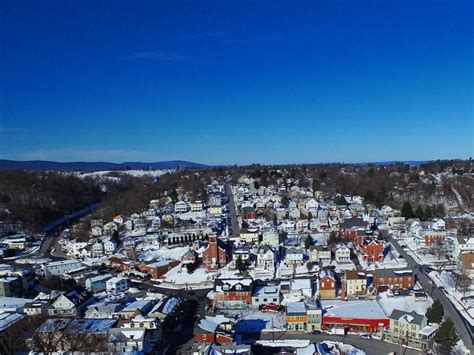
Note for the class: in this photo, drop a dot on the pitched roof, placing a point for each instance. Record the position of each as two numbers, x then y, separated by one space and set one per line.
410 317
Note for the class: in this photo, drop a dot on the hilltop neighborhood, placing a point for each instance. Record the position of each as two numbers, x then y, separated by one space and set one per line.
252 268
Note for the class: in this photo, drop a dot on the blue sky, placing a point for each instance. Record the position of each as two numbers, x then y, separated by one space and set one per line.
237 82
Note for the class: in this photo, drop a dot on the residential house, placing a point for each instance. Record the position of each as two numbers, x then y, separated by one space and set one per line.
233 293
327 285
249 214
355 283
196 206
433 236
266 294
97 283
410 329
181 207
342 254
103 310
302 286
61 267
190 257
265 257
116 284
270 237
294 256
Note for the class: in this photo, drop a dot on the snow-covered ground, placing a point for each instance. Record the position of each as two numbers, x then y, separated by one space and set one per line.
460 300
391 261
403 303
136 173
178 277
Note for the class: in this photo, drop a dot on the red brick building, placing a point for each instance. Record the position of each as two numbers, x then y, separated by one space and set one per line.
402 278
217 329
215 255
157 269
121 264
233 293
371 250
249 214
432 237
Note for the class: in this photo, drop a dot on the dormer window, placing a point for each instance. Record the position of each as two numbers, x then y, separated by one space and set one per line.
238 287
225 287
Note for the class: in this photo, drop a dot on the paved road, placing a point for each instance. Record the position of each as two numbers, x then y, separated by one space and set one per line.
463 328
371 347
233 213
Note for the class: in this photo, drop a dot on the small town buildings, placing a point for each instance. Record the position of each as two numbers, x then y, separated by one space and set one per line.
355 283
242 253
11 286
327 285
217 329
181 207
467 263
60 267
266 294
97 283
196 206
356 316
116 284
294 256
233 293
270 237
410 329
103 310
398 278
342 254
157 269
249 214
433 236
371 250
296 318
302 286
315 315
215 255
190 257
249 235
265 257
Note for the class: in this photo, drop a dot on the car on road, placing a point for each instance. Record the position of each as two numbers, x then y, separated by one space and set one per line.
316 332
366 336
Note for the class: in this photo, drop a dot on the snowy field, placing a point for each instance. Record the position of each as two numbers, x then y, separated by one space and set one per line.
177 276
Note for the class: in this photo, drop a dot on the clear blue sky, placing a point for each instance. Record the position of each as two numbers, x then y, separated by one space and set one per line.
227 82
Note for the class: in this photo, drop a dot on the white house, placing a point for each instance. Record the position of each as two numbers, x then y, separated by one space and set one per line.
116 285
109 247
438 224
60 267
265 257
311 205
97 250
181 207
342 254
269 294
294 256
468 246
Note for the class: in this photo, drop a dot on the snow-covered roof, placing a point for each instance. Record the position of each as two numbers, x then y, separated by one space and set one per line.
353 309
210 324
296 307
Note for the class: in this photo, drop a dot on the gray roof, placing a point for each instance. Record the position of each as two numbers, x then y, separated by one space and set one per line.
410 317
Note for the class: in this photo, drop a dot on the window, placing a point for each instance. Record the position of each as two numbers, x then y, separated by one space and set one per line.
238 287
264 300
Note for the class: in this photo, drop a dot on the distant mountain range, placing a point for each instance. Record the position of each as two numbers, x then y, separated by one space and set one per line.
44 165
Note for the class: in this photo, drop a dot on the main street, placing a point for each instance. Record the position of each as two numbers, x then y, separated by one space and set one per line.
463 329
